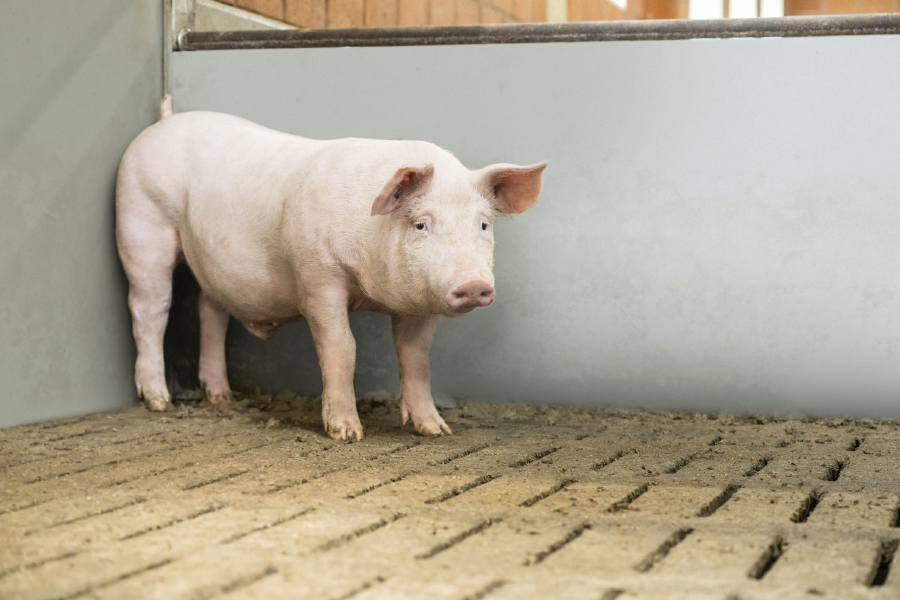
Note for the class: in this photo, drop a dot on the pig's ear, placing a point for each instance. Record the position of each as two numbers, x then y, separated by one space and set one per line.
406 183
511 188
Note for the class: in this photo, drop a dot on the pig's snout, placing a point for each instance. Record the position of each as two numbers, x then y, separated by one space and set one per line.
470 294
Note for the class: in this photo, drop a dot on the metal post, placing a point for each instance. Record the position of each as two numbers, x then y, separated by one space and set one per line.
166 44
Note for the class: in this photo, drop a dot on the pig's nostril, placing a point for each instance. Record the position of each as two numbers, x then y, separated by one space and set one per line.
471 294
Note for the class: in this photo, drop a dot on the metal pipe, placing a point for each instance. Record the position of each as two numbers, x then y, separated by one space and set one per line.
881 24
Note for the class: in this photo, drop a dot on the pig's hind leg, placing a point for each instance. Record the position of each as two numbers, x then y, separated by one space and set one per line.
149 248
213 371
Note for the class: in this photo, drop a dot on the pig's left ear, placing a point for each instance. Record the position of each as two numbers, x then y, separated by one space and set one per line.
406 183
511 188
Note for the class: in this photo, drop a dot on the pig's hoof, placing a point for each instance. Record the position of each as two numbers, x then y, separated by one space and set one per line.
432 426
430 423
345 430
217 398
156 401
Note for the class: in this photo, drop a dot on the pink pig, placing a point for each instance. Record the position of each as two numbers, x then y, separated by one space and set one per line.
279 228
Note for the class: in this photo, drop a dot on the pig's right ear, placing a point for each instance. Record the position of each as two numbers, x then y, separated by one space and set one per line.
406 183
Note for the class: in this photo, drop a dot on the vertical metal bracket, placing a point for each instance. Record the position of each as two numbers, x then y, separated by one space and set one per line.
184 17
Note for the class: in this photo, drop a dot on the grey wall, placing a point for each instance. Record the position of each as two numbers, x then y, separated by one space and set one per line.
718 228
78 80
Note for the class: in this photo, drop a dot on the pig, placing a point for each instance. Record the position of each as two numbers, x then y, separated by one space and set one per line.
279 228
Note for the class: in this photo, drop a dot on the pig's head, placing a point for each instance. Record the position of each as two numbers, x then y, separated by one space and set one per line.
438 234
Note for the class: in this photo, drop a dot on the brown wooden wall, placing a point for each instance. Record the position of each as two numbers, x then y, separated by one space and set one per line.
839 7
336 14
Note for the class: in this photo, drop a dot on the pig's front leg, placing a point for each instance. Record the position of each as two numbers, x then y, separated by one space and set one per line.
412 337
330 326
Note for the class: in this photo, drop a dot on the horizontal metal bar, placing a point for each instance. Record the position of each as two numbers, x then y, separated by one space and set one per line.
881 24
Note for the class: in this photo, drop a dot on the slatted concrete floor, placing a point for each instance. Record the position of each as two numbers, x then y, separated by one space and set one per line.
254 502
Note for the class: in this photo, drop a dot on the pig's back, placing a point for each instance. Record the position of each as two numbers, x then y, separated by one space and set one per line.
199 161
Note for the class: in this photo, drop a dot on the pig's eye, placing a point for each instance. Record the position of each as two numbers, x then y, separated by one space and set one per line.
420 226
484 226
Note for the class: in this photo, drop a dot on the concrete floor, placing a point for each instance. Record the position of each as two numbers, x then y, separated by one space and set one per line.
254 502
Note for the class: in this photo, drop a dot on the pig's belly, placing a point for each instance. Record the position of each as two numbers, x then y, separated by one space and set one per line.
246 287
249 299
262 294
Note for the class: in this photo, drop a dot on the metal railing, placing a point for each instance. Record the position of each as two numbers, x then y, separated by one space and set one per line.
879 24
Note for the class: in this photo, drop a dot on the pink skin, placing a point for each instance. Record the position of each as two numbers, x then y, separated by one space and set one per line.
470 295
213 372
412 337
279 228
